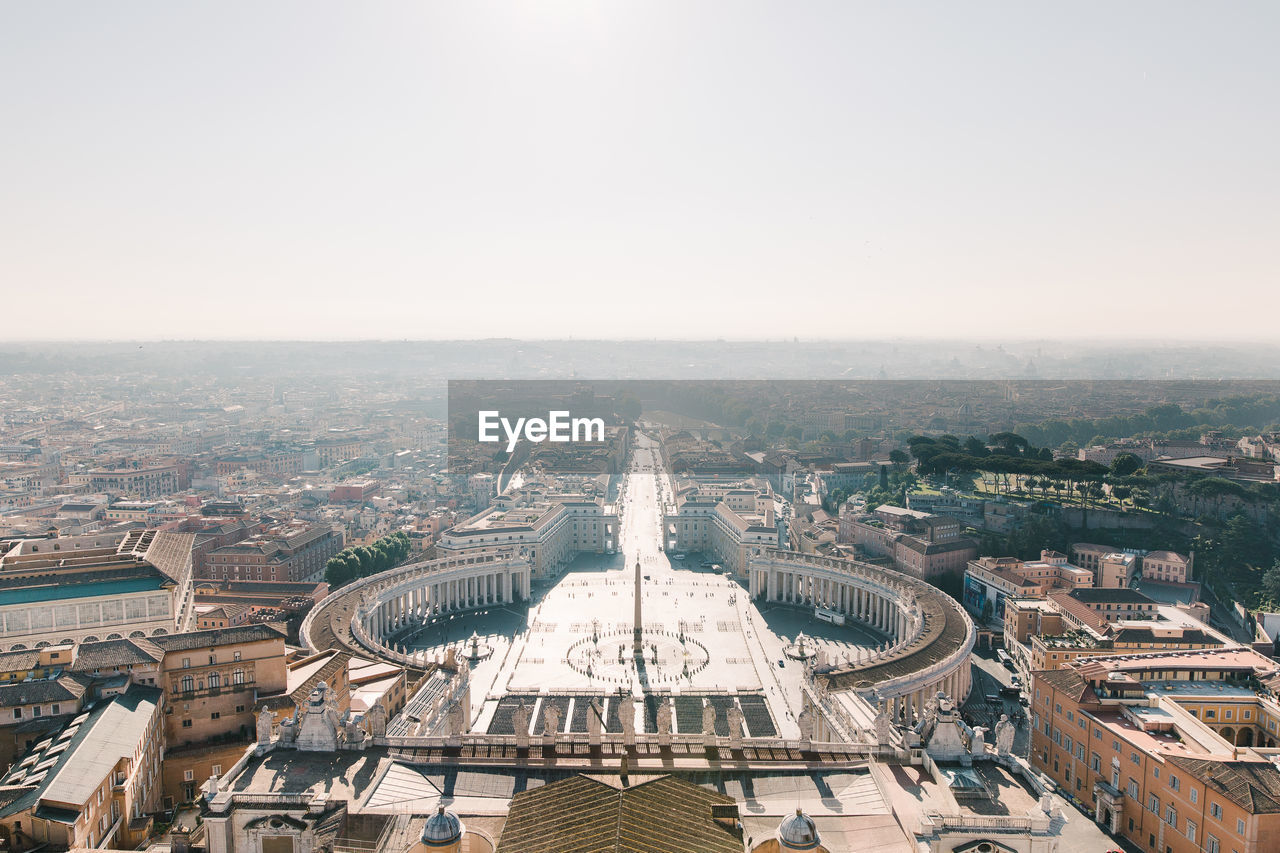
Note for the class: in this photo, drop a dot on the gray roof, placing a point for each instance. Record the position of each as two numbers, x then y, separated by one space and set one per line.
1106 595
66 687
94 742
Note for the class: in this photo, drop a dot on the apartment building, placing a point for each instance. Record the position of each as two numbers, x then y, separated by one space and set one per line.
548 529
291 552
1154 744
1052 651
723 524
919 543
989 581
1094 608
1166 567
142 479
93 784
37 696
270 462
1110 567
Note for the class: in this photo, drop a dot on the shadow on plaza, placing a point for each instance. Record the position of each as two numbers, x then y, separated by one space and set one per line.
788 620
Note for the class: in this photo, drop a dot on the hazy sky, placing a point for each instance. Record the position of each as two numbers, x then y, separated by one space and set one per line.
647 169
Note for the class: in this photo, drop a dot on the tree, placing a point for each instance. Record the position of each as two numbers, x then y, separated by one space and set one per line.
1125 464
629 407
336 572
899 459
1271 582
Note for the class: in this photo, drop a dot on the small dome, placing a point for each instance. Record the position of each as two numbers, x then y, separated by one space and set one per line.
443 828
798 832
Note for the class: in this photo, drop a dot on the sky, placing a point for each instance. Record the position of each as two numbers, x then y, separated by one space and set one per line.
317 170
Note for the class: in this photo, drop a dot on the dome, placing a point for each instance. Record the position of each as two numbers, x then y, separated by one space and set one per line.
443 828
798 832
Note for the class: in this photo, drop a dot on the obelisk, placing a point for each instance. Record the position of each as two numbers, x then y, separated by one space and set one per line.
637 644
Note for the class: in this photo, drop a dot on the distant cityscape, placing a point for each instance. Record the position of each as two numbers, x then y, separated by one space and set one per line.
900 596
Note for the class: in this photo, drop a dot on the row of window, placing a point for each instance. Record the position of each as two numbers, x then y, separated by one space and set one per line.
214 681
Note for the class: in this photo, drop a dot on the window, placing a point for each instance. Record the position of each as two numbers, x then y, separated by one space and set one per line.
1191 829
1153 803
1171 816
1133 788
237 677
1095 762
1211 845
1209 713
186 724
216 770
1215 811
188 775
216 715
55 709
1195 796
1240 825
1155 772
186 663
17 713
215 681
1133 756
188 684
1227 714
1174 782
35 710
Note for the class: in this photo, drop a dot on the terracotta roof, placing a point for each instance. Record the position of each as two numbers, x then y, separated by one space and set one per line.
113 653
1252 785
589 815
218 637
1067 681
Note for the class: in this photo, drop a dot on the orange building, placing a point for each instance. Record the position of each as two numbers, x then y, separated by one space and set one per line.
1155 746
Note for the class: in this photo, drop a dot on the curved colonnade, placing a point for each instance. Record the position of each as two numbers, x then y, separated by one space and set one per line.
377 608
930 635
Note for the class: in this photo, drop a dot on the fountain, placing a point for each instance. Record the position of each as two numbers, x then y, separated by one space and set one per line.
476 651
